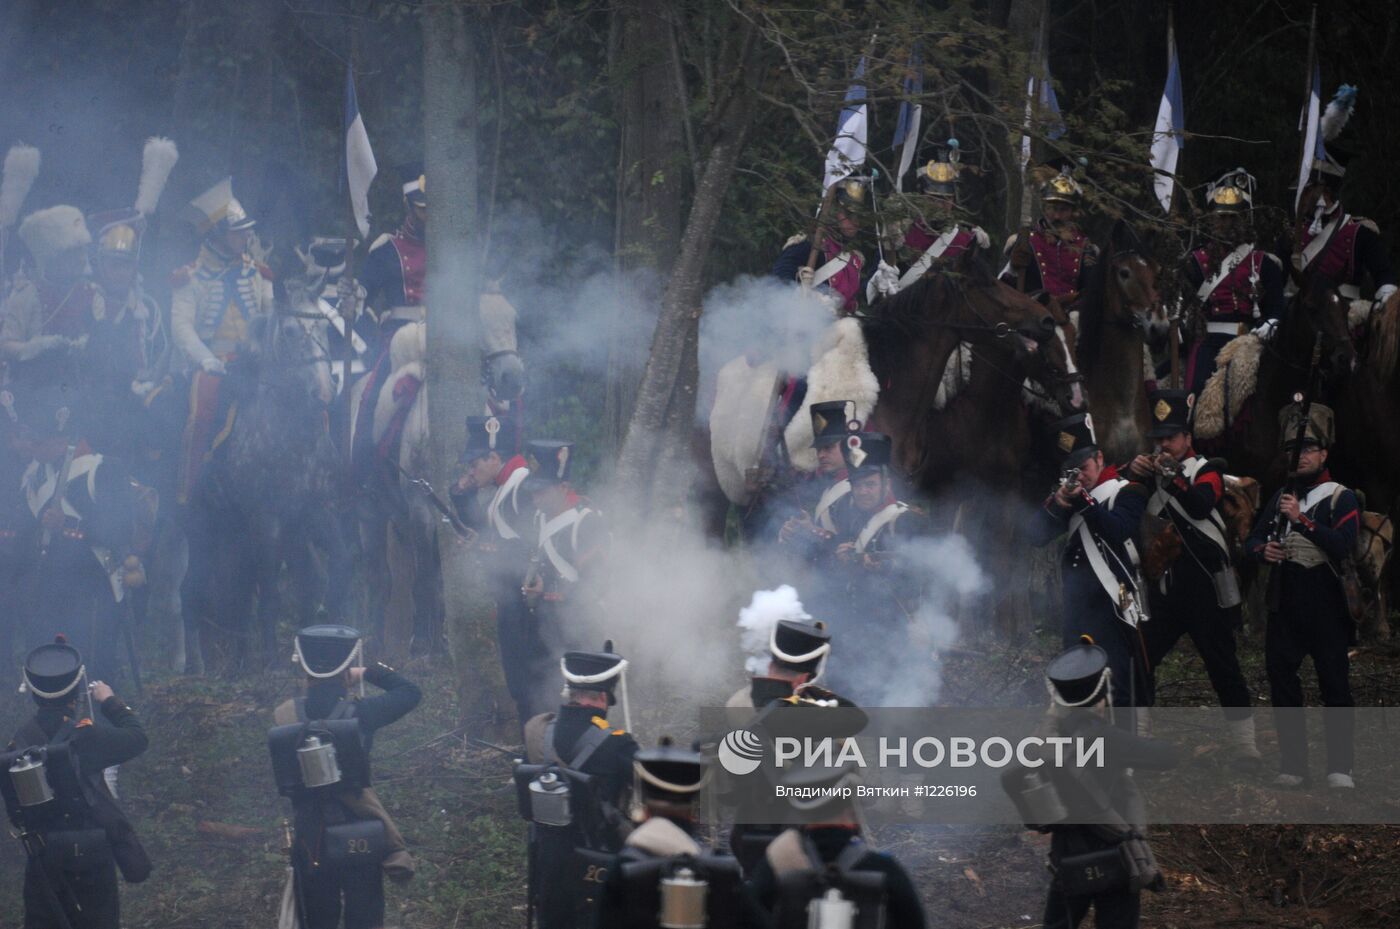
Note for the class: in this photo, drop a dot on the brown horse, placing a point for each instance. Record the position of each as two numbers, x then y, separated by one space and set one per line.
1119 311
911 336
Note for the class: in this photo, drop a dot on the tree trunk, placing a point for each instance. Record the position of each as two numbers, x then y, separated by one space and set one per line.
454 288
651 164
659 432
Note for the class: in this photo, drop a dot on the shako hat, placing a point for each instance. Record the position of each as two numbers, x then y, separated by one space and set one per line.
669 772
599 671
940 176
218 210
1074 435
866 451
551 462
1232 192
800 646
414 183
487 434
1171 411
831 421
1078 675
1320 431
52 671
325 651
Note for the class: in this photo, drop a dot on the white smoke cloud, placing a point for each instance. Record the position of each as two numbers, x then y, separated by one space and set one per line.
756 622
768 319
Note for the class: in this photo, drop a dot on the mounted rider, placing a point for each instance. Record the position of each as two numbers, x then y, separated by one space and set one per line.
935 238
46 324
1054 256
836 272
1238 286
214 302
1328 240
128 360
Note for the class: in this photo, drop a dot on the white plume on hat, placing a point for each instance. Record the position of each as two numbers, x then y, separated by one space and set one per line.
48 233
756 622
21 168
157 161
1338 112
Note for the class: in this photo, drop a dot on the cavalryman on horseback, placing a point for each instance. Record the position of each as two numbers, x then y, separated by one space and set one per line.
835 271
1238 286
1197 594
1055 255
1104 596
1331 242
936 237
215 299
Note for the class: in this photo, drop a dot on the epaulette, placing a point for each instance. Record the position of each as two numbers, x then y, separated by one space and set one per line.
1368 223
794 240
1272 257
602 723
181 276
1011 241
82 723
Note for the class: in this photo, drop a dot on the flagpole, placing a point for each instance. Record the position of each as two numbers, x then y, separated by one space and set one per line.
1039 56
1311 66
1171 53
349 310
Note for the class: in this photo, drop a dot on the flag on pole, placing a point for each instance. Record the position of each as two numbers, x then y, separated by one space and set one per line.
360 167
1042 105
848 151
906 131
1167 140
1308 125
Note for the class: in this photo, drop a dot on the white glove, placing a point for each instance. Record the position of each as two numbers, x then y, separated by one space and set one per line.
1265 330
1383 295
212 365
886 279
805 276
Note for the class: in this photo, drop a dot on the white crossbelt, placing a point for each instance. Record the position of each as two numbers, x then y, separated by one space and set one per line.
1212 528
926 260
1219 328
877 522
822 514
1227 267
1105 494
832 268
510 489
569 519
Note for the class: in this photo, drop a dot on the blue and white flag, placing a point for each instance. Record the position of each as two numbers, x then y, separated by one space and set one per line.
1167 139
1308 125
906 131
360 167
848 151
1041 103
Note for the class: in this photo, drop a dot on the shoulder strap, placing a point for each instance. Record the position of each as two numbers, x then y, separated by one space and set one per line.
1227 267
590 742
854 851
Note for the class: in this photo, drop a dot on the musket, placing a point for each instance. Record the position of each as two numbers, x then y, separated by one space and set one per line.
818 229
1275 592
465 533
498 749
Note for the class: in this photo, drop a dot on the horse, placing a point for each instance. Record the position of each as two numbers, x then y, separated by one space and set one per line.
274 470
912 335
1119 311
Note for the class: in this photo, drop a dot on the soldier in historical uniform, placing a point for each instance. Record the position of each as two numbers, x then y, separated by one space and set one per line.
813 501
1055 255
578 737
936 238
1098 511
1199 595
1347 250
798 651
1319 519
571 543
1099 856
806 862
77 890
489 498
664 876
332 658
213 303
837 271
879 593
47 322
1238 286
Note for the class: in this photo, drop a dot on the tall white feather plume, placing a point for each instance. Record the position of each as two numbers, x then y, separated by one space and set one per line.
1339 110
21 168
157 161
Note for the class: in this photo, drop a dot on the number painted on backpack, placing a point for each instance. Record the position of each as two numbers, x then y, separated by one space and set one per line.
357 846
596 874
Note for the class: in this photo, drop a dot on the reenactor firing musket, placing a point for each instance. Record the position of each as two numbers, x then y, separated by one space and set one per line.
465 533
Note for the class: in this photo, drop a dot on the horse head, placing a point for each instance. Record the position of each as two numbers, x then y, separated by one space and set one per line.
1132 298
1003 311
502 370
1054 366
285 354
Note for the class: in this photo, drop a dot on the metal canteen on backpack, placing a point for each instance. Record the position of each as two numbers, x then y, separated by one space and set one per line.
549 800
317 760
831 911
1227 588
683 901
30 780
1039 801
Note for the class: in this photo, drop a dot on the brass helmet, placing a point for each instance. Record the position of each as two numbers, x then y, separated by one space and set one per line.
117 233
1232 192
939 177
1062 188
853 193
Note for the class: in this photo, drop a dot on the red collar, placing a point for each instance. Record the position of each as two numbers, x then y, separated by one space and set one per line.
1323 477
513 464
1109 472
